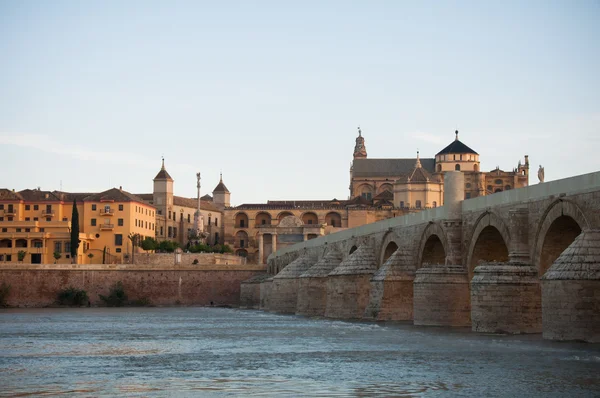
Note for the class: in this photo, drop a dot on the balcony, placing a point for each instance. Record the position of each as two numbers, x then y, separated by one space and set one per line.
8 212
48 213
107 212
107 227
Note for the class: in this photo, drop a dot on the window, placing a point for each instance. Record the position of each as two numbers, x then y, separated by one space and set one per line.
36 207
27 229
457 167
468 185
1 218
8 257
120 207
93 222
118 250
208 220
37 244
67 247
27 207
418 204
310 221
118 240
58 247
181 217
160 212
169 214
263 222
35 218
434 203
48 219
1 257
216 222
65 219
242 242
170 232
9 218
42 229
242 224
27 218
439 167
367 195
93 207
468 195
506 188
498 181
401 204
188 218
146 224
1 207
4 230
489 188
120 222
18 230
216 238
161 231
107 209
136 222
174 232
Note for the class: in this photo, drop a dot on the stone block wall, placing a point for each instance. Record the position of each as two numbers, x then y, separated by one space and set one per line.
162 259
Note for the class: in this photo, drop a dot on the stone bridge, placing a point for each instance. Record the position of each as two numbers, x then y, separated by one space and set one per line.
521 261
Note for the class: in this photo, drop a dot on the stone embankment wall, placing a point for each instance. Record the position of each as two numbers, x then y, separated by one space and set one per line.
188 259
37 285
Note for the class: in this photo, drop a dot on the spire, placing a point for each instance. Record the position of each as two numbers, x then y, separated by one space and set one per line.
418 163
162 174
163 163
359 149
221 177
456 133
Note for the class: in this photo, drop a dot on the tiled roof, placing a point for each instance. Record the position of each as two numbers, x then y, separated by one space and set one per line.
419 174
221 188
163 175
69 196
115 194
388 167
456 147
146 196
7 194
192 203
207 198
35 195
385 195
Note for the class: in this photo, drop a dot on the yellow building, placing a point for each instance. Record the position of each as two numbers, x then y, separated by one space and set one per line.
39 223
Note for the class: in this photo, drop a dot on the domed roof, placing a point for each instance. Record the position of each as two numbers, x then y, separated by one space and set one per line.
456 147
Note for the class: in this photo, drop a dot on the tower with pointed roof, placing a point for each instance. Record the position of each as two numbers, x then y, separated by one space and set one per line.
457 157
163 190
221 195
360 151
420 189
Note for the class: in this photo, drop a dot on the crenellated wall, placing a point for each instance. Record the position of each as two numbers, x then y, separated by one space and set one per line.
476 261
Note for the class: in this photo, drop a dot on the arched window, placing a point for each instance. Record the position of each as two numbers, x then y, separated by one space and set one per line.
468 185
401 204
418 204
439 168
476 167
457 167
498 181
434 203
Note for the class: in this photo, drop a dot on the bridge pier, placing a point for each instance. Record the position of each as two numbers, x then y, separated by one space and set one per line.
391 295
250 291
506 296
441 296
348 285
571 292
265 293
284 291
312 288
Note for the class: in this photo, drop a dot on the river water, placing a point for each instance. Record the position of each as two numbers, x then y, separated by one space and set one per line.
217 351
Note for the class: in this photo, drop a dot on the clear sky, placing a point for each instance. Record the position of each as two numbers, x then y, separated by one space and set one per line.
93 93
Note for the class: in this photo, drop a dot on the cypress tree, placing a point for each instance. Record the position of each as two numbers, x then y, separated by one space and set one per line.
74 233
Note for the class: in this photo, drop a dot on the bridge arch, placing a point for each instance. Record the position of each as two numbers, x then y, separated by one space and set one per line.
389 245
560 224
489 241
433 245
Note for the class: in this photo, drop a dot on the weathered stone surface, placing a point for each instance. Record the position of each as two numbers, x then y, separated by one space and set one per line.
391 295
250 291
506 298
348 285
39 287
265 293
441 296
312 289
571 292
284 291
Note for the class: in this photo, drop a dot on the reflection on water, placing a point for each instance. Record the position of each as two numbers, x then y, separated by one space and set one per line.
206 351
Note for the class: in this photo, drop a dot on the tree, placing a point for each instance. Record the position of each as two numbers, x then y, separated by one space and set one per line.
149 244
21 255
57 257
135 241
90 256
74 233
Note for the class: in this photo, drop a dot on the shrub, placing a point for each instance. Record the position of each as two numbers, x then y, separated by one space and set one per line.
57 256
227 249
116 296
21 255
4 292
200 248
72 297
167 246
149 244
142 302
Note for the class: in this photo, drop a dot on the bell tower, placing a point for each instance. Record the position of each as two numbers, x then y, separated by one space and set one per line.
360 151
162 194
